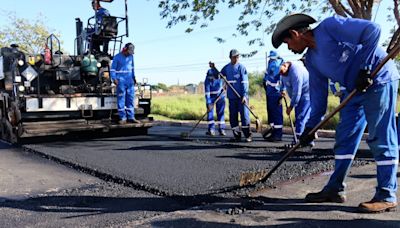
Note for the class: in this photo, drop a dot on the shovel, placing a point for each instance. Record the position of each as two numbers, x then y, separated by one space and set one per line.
252 178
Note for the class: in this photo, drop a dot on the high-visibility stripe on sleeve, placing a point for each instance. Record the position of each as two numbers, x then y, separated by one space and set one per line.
272 84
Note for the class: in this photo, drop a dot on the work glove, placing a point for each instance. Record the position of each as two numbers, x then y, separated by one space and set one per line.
306 139
244 100
338 94
363 80
280 101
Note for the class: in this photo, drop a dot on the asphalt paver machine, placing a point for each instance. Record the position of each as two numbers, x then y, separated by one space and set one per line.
55 94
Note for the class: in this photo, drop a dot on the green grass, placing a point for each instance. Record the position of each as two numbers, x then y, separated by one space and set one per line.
192 107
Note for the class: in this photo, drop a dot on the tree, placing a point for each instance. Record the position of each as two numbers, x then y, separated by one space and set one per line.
256 14
29 35
162 86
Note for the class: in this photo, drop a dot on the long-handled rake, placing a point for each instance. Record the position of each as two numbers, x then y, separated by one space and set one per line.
187 134
252 178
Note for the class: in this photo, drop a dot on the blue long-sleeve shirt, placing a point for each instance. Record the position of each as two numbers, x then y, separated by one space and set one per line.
343 47
100 13
272 76
213 85
122 67
296 82
237 76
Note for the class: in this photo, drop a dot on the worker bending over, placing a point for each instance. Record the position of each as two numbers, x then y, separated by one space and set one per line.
295 81
346 51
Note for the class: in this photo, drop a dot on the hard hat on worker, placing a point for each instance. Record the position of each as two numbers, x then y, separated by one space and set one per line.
287 23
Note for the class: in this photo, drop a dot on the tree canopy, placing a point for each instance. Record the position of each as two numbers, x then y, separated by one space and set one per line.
29 35
260 15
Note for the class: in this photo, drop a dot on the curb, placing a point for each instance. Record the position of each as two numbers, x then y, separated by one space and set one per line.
189 123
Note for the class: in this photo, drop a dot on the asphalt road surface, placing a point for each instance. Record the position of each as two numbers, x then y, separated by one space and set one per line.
164 180
163 162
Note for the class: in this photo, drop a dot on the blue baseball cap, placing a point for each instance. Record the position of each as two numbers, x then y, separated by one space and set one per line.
273 55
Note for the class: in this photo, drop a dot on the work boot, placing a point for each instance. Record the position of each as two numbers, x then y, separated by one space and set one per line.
222 132
122 122
249 139
237 136
377 206
325 196
134 121
210 133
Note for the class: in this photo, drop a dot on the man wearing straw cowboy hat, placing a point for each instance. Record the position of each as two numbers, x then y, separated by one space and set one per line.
346 51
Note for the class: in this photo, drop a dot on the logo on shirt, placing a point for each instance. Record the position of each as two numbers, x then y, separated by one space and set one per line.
344 57
236 76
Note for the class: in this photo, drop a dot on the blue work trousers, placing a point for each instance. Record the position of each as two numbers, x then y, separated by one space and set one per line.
274 114
235 107
302 114
220 109
125 99
377 108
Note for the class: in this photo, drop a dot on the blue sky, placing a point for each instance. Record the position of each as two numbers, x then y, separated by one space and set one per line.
163 55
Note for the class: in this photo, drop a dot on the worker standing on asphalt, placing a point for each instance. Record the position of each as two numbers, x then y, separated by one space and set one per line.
346 51
236 75
296 82
123 76
272 88
214 89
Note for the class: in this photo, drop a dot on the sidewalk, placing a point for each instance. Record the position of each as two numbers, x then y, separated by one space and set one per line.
284 207
23 175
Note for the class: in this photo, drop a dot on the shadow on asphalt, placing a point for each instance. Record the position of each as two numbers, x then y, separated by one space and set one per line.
367 176
92 205
289 222
315 155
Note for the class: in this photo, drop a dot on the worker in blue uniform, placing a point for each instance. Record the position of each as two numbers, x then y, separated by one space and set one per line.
295 81
93 33
346 51
214 93
272 88
236 75
123 76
